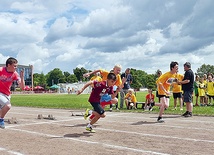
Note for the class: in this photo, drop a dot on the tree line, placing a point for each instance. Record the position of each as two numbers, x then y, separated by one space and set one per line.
140 78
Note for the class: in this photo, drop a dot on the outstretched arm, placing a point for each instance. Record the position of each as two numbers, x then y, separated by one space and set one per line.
93 72
21 82
84 87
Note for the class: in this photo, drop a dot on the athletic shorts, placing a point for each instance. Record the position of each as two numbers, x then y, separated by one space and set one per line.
177 95
4 99
188 96
160 96
210 96
97 107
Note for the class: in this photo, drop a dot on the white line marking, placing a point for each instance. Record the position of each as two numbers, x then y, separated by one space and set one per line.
11 152
91 142
154 135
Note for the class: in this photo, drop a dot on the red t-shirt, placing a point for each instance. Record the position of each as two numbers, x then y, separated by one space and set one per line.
100 88
6 80
150 98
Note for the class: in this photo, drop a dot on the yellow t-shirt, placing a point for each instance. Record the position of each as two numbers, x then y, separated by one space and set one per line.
201 89
131 97
97 78
104 75
210 88
176 88
166 80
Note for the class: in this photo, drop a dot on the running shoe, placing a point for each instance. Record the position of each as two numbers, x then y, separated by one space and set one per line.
160 120
2 124
86 114
188 115
185 113
90 129
175 108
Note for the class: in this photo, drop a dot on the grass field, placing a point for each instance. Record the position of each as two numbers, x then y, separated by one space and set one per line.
73 101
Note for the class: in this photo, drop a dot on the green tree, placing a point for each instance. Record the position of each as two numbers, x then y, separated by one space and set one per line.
55 76
42 80
205 69
150 81
36 77
79 73
71 78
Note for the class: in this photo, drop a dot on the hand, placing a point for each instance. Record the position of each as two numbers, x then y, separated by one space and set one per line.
22 73
168 93
124 80
86 75
79 92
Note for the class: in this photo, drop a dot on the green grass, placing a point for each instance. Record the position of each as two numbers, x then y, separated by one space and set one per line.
72 101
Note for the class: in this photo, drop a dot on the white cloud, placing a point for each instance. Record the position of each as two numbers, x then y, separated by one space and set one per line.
144 35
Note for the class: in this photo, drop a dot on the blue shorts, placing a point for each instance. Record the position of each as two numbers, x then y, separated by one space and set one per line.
97 107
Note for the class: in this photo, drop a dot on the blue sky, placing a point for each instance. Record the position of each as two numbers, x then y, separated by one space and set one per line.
145 35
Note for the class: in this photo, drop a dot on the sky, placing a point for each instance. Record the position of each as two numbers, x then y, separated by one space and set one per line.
98 34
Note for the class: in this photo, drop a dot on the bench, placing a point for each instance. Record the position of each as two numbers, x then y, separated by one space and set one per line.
143 104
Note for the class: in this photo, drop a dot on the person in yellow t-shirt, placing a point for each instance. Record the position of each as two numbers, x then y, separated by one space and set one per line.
177 92
201 91
130 99
96 77
164 82
210 89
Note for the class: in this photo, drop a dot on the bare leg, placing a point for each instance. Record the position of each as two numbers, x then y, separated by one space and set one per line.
4 110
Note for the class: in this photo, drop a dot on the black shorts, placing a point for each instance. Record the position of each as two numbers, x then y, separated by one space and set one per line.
97 107
188 96
210 96
177 95
160 96
157 94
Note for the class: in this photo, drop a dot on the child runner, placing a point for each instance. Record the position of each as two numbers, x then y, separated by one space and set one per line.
101 91
8 74
119 83
164 82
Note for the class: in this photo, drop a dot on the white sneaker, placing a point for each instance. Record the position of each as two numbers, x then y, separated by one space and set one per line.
118 109
110 109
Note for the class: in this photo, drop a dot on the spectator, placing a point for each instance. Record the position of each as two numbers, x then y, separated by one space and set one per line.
159 73
177 92
210 89
187 87
150 100
126 86
130 99
201 91
195 85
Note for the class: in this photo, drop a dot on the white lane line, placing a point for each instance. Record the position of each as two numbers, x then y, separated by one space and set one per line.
155 135
46 122
92 142
11 152
161 124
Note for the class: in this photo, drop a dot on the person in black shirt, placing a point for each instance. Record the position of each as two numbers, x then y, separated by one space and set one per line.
187 87
127 86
